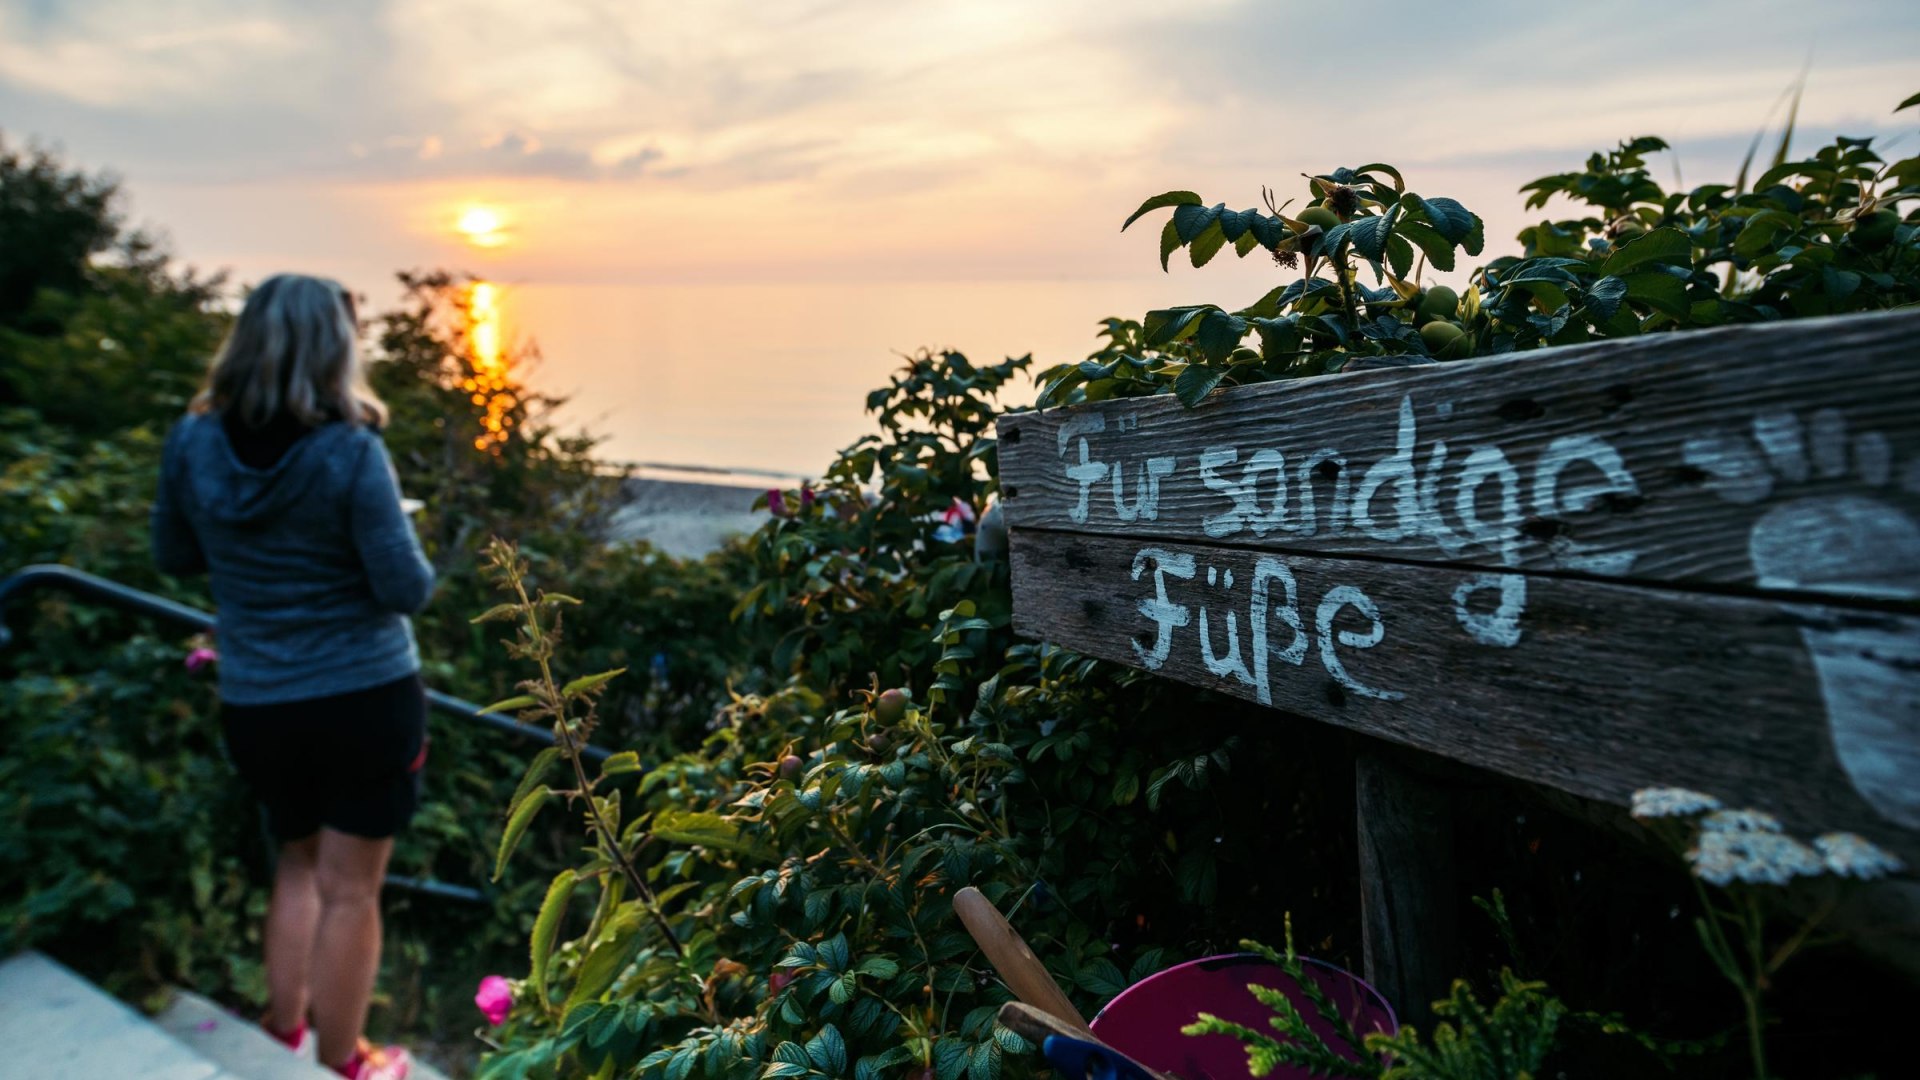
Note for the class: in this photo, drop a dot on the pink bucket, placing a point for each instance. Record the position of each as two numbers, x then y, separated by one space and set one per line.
1144 1022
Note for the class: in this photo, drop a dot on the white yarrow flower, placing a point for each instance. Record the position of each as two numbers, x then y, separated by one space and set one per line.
1753 857
1661 802
1849 855
1713 861
1740 821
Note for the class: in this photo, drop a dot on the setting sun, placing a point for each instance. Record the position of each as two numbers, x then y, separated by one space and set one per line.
481 226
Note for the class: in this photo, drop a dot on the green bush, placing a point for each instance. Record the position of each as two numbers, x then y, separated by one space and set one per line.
1819 236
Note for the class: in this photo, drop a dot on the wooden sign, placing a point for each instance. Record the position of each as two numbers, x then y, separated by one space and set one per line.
1687 559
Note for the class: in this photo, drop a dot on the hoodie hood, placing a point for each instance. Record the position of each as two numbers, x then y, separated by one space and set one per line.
234 493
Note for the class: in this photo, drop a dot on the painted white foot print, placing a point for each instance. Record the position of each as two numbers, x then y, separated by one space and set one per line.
1858 544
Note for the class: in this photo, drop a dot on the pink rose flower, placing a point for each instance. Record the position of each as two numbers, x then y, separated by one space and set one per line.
776 503
495 998
806 499
199 659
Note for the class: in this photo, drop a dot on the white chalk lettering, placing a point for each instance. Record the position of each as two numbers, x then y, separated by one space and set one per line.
1501 626
1266 570
1252 667
1342 596
1165 614
1395 469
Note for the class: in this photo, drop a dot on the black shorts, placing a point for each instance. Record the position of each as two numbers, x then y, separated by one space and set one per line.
349 762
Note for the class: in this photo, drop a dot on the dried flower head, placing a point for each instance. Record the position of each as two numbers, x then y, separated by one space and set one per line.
1664 802
1849 855
1752 857
1287 259
1740 821
1343 199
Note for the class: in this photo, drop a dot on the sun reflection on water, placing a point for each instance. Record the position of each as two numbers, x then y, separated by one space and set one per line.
488 365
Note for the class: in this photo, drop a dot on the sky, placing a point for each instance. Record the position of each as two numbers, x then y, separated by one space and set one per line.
722 221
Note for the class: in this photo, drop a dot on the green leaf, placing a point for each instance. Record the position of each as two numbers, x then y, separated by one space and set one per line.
949 1059
1449 218
1399 184
1172 324
1206 245
536 772
1219 334
985 1062
703 828
1908 104
1839 284
1166 198
590 682
1762 229
1192 220
1169 243
1101 976
835 954
1439 249
1604 297
1399 255
520 702
602 965
518 819
828 1051
1369 234
1196 382
1278 337
878 966
1658 290
626 761
1666 245
545 926
496 613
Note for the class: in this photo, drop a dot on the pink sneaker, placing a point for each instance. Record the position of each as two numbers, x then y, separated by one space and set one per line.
372 1062
302 1041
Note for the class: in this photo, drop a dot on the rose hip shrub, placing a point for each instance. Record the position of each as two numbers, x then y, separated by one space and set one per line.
1829 234
802 860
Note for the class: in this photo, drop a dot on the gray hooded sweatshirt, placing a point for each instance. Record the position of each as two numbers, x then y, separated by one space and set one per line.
313 565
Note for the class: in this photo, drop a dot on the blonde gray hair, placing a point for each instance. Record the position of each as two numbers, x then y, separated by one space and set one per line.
293 351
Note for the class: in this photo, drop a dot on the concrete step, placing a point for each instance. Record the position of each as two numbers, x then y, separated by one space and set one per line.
241 1047
56 1025
235 1044
53 1023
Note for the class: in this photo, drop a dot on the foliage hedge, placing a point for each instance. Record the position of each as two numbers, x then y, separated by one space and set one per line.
765 881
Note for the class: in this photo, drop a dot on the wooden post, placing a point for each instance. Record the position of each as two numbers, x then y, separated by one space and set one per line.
1407 908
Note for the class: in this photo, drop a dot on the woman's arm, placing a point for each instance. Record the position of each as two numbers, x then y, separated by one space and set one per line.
398 570
176 548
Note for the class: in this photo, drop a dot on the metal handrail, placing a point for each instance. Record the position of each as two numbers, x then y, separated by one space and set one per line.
56 577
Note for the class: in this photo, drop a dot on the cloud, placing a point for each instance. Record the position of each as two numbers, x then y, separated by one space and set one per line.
641 138
153 56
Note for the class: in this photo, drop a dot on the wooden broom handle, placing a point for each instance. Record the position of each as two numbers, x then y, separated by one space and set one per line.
1034 1026
1022 971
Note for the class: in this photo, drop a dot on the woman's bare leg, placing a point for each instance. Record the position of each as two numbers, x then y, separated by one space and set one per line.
346 953
293 918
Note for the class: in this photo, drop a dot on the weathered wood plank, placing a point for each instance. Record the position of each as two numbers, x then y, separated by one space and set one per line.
1807 710
1784 456
1407 907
